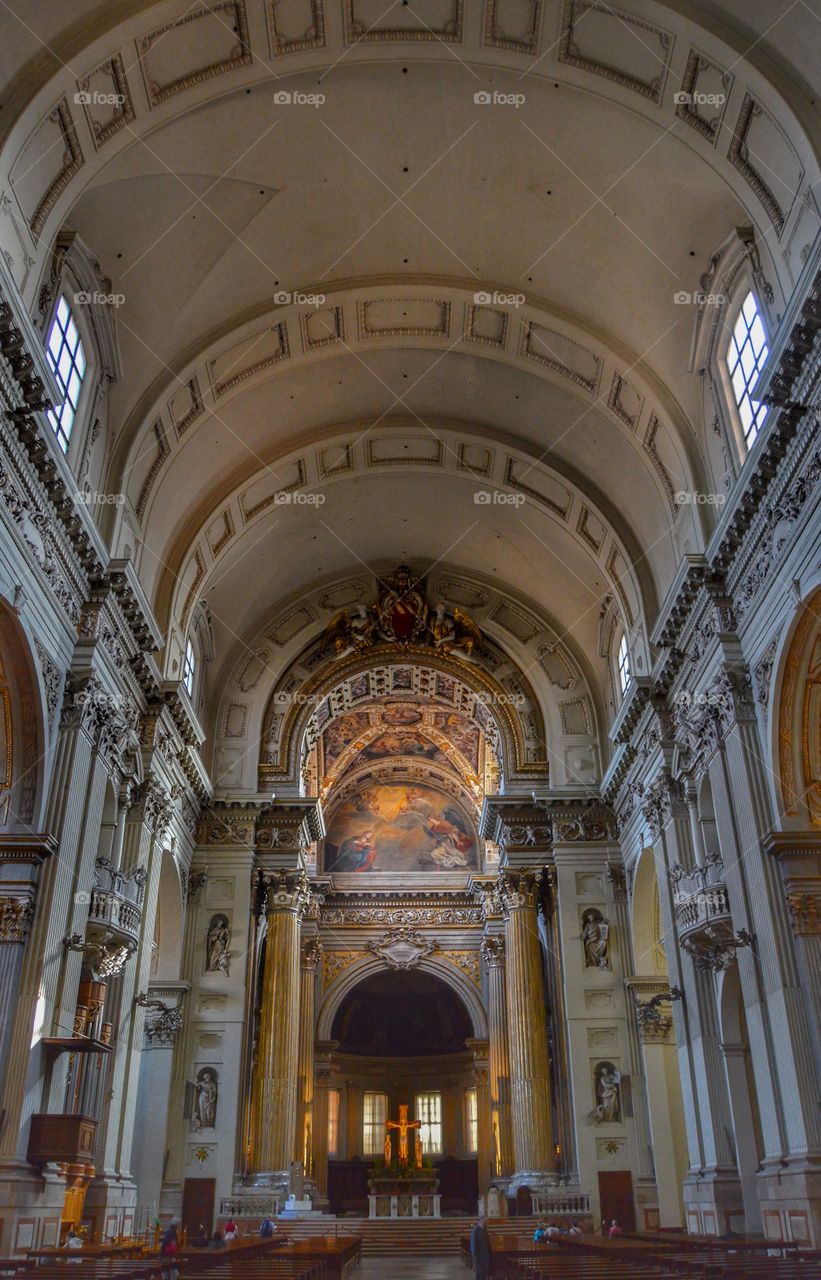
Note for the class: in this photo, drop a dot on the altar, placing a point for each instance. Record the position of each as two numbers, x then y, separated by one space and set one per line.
403 1189
411 1197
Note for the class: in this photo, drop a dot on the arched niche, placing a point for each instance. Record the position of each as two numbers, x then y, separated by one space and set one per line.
168 928
646 924
435 965
797 719
22 732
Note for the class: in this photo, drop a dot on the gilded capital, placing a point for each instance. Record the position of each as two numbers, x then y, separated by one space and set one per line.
287 891
519 890
311 953
493 952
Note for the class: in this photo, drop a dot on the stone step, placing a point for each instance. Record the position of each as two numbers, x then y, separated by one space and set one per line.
383 1237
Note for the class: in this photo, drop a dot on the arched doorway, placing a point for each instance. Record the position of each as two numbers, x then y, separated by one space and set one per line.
402 1037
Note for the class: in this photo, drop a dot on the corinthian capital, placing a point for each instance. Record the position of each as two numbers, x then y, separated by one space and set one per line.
287 891
519 890
493 952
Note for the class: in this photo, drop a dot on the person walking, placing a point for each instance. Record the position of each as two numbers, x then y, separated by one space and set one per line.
480 1249
168 1250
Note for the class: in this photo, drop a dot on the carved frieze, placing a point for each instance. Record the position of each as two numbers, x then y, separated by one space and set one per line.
779 521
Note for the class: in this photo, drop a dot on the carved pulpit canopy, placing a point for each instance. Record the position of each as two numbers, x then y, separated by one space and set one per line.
402 948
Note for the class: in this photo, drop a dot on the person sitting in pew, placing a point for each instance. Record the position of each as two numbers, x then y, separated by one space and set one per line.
200 1240
216 1241
615 1230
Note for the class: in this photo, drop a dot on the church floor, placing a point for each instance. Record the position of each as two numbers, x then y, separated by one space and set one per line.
412 1267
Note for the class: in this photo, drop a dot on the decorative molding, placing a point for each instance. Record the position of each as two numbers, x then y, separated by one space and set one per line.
16 916
403 948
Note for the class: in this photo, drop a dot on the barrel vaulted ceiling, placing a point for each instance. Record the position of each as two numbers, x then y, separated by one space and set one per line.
298 203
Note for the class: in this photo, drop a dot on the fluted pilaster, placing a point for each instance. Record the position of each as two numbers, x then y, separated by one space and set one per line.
527 1029
303 1150
275 1086
493 954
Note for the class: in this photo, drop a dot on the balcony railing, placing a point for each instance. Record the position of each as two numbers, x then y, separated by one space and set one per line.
115 908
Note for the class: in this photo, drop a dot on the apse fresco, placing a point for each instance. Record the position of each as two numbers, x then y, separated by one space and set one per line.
403 743
400 827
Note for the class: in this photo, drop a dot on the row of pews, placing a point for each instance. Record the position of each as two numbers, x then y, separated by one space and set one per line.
320 1258
587 1257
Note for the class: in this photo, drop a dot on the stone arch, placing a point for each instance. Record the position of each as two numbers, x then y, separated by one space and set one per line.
448 973
22 725
270 660
796 722
49 117
304 717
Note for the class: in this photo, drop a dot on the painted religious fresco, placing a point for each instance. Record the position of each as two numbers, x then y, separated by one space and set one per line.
342 732
400 828
463 734
403 743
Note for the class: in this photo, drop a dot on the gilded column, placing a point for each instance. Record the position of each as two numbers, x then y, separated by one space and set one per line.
303 1150
527 1031
501 1137
275 1094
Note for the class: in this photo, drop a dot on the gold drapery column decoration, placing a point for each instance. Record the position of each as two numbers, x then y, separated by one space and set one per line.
527 1029
274 1097
493 954
310 955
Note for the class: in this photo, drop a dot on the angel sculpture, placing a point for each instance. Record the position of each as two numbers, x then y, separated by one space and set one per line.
458 634
345 632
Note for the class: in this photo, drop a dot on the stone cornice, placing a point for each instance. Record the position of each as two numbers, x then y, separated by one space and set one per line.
32 848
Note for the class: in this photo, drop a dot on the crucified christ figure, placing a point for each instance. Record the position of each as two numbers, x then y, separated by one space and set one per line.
404 1125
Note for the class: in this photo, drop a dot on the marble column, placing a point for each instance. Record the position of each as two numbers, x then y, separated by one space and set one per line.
501 1136
274 1092
527 1031
303 1148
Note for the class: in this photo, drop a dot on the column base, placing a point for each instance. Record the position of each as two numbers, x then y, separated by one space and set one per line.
539 1180
276 1182
789 1193
32 1207
111 1203
713 1203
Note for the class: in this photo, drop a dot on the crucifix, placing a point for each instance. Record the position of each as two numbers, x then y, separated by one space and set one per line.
404 1125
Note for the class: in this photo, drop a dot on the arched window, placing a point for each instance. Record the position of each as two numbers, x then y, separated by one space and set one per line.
746 353
67 358
189 668
623 663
